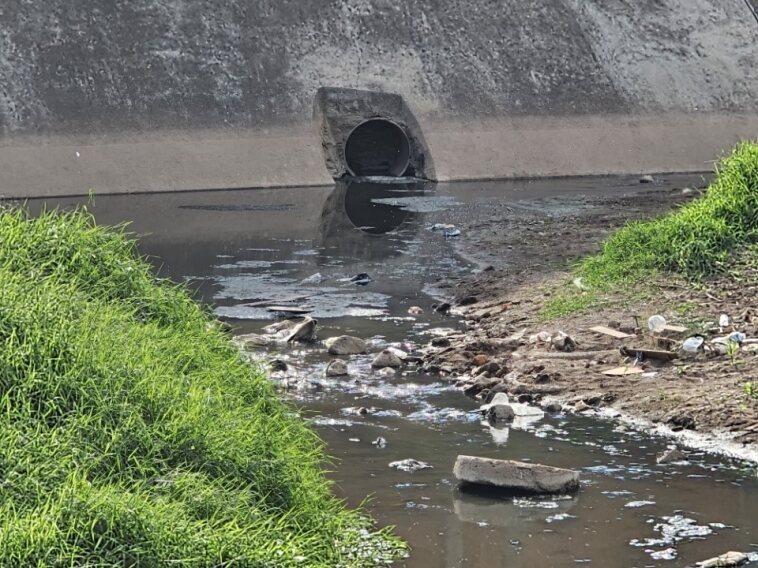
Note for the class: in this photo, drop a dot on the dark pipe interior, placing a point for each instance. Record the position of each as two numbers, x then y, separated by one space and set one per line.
377 147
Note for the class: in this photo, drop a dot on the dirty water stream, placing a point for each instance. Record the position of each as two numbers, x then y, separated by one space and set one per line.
235 247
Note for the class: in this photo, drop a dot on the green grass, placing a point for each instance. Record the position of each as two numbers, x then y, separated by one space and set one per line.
696 241
132 433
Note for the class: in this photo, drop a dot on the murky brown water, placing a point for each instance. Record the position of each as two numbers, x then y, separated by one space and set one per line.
240 246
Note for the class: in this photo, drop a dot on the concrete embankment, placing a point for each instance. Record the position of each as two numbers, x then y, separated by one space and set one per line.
198 94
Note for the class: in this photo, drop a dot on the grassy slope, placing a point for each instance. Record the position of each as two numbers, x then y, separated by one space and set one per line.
131 431
696 241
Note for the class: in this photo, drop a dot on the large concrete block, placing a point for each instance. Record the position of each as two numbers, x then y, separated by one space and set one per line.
514 475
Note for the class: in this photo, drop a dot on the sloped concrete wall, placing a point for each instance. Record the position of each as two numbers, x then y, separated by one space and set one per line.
152 95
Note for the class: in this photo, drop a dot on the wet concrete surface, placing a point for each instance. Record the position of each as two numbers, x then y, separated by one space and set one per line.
242 246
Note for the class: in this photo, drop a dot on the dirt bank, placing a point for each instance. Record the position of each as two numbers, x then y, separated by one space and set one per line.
706 392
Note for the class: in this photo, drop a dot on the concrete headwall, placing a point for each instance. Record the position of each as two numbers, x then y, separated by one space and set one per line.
151 95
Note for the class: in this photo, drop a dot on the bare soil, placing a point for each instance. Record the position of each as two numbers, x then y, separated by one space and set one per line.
528 249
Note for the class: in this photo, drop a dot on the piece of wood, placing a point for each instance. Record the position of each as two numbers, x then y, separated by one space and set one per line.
675 328
294 310
621 371
649 353
609 331
279 302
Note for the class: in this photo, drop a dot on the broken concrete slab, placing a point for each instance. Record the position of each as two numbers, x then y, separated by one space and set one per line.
514 475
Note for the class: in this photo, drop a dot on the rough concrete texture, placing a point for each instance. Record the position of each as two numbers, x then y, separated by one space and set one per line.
338 111
202 77
514 475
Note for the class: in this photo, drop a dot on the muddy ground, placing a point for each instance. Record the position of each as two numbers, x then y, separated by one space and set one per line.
524 252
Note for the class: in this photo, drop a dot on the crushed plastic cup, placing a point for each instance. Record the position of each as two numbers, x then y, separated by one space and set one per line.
692 344
656 323
723 320
737 337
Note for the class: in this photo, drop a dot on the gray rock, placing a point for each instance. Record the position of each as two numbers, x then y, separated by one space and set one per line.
277 365
251 340
671 455
564 342
345 345
386 359
731 558
410 465
500 413
304 331
647 179
490 367
279 326
513 475
336 368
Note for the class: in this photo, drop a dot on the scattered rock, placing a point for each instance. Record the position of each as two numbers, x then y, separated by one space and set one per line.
581 406
277 365
336 368
443 308
303 331
468 301
345 345
415 311
513 475
363 411
563 342
500 413
480 384
731 558
386 359
402 355
498 398
679 422
279 326
386 372
647 179
671 455
490 367
361 279
252 340
553 408
440 342
410 465
479 360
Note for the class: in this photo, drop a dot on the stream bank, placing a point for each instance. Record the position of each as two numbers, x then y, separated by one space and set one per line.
235 248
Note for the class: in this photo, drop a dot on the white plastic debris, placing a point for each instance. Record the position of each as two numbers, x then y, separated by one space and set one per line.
451 233
541 337
723 320
692 344
737 337
656 323
580 284
442 227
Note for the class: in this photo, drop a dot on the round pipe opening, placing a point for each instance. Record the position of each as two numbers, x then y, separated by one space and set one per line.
377 147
